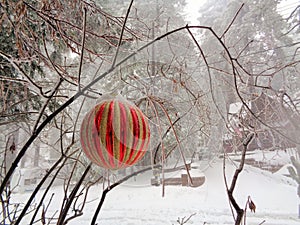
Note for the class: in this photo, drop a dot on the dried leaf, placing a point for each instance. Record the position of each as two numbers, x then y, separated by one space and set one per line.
252 206
12 148
43 216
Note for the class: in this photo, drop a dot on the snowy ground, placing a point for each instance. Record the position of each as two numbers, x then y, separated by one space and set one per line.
136 202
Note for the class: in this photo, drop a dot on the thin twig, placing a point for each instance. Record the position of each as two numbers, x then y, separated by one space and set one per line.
33 194
72 196
42 110
185 220
178 141
162 144
208 69
81 106
122 33
162 138
82 46
48 187
232 21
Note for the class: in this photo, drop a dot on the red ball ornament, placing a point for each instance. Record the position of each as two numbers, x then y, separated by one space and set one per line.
115 134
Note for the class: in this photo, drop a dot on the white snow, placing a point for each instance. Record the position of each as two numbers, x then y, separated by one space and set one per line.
136 202
277 157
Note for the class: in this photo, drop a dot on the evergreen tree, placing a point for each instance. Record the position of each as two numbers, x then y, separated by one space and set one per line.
16 99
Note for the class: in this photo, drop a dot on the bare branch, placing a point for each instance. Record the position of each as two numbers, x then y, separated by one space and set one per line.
232 21
46 103
238 209
61 219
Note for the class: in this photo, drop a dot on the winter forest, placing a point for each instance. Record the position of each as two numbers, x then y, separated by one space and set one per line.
142 112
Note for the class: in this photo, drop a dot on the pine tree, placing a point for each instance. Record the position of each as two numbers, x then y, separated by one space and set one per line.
16 99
